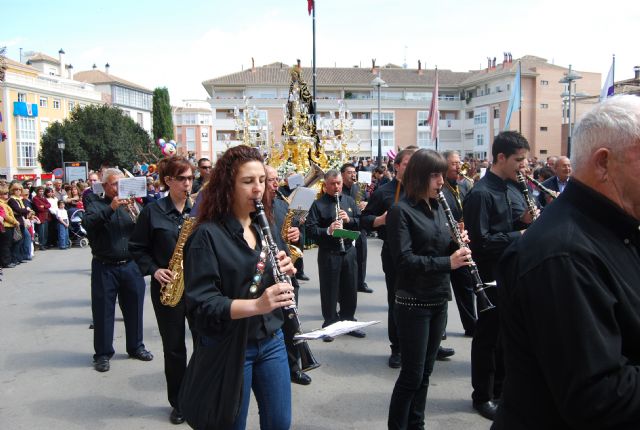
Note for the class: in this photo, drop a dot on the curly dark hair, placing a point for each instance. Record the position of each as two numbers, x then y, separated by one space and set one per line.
171 167
217 196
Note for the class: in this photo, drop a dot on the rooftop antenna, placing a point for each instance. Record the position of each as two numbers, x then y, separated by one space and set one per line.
404 65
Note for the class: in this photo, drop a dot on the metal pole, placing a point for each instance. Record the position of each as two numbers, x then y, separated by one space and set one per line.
63 169
379 136
569 115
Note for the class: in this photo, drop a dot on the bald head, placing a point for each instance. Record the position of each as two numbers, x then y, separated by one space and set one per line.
563 168
272 179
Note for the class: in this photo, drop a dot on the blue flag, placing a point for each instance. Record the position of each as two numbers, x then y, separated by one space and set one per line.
514 100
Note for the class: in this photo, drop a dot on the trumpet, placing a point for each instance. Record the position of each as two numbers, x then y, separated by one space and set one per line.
132 209
484 304
464 169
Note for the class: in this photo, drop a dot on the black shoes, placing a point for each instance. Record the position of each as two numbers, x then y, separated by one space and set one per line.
300 276
444 353
301 378
486 409
357 333
101 364
327 339
142 354
176 416
365 289
395 362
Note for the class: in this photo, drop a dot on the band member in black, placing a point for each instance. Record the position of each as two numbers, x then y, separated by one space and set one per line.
232 299
114 274
455 190
424 254
280 209
337 267
569 314
350 188
152 244
489 219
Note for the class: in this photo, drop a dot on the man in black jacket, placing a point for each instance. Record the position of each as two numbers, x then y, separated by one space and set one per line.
113 273
569 314
488 216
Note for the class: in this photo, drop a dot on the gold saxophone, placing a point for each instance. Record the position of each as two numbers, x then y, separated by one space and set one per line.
171 292
294 251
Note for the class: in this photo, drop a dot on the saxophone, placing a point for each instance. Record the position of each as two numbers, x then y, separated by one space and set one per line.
171 292
294 251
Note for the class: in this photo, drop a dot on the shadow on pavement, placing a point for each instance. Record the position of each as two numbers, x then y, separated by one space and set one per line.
47 359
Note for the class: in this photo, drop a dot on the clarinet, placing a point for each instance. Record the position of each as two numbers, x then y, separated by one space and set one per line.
547 191
290 312
531 206
484 304
343 251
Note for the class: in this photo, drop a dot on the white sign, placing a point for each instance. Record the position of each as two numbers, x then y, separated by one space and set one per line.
295 181
302 198
364 177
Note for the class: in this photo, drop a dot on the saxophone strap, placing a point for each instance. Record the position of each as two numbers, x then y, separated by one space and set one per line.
397 196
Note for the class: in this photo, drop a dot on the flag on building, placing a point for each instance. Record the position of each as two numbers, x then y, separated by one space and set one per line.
309 6
434 114
514 100
607 88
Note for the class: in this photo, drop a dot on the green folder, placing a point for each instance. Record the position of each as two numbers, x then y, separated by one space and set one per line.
346 234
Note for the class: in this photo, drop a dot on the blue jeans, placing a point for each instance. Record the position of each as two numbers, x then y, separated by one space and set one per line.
26 244
420 331
43 233
266 371
63 236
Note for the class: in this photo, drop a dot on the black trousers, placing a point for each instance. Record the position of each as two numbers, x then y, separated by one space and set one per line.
390 280
126 283
338 279
171 324
361 249
293 353
463 283
487 363
6 241
420 330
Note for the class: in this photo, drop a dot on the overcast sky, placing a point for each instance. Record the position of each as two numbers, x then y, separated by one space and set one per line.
180 44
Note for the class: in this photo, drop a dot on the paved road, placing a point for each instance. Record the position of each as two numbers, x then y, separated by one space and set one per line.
47 380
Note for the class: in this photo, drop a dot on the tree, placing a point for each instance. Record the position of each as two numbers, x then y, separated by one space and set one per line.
162 120
97 134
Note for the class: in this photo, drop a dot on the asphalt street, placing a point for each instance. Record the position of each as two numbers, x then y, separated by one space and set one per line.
47 379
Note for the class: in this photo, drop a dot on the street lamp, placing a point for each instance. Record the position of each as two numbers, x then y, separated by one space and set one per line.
379 83
61 148
569 78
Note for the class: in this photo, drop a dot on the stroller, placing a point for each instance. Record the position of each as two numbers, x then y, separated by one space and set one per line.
77 233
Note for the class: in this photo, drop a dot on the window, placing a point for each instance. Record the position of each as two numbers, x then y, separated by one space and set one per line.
422 118
479 139
140 119
508 87
26 141
480 118
44 102
56 103
386 119
543 152
424 139
469 114
191 139
544 83
496 113
543 128
72 105
544 106
22 97
386 137
361 115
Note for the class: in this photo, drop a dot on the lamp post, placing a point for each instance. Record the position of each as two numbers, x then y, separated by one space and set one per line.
568 79
61 145
378 82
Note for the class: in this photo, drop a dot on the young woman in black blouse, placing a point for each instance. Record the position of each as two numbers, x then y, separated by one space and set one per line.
424 255
230 295
151 245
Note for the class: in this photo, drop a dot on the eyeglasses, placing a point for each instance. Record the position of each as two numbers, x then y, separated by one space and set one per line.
273 180
205 167
181 178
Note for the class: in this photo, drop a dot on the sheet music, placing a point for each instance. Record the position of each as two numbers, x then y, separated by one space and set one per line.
295 181
336 329
483 170
132 187
302 198
364 177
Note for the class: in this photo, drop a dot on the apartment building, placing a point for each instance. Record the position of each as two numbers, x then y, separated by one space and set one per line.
33 95
193 129
472 104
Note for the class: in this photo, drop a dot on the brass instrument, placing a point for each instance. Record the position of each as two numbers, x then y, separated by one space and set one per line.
484 304
132 209
343 251
171 292
464 169
551 193
283 197
307 360
362 192
294 251
531 206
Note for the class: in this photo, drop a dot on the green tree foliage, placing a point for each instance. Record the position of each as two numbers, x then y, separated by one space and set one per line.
97 134
162 120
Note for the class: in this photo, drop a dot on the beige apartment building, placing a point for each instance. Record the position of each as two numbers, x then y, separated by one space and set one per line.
193 129
472 104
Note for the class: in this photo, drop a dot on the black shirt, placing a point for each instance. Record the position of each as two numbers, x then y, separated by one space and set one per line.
108 230
197 184
489 220
455 193
218 268
420 243
323 213
380 202
156 234
570 297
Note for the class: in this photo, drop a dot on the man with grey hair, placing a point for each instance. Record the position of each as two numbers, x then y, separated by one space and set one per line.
114 274
558 182
337 267
571 289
